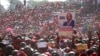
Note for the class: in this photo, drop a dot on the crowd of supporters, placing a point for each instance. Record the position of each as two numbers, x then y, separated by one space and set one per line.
39 24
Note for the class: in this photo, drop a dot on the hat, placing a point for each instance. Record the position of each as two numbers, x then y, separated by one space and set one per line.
14 52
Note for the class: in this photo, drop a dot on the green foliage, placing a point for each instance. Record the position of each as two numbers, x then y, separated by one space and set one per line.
13 3
36 3
2 9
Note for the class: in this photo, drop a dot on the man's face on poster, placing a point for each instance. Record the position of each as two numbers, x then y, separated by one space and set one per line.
69 16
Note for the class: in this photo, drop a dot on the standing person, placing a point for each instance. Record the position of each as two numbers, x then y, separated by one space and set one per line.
70 21
24 2
98 33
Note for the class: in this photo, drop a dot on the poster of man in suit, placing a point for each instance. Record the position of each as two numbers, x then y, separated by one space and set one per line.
66 23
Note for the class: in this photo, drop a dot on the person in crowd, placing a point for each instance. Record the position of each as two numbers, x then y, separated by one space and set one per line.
37 20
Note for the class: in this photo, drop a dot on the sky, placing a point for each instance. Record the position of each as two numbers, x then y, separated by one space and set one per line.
5 3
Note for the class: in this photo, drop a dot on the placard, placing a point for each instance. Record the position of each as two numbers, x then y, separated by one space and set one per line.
81 47
51 44
65 31
41 44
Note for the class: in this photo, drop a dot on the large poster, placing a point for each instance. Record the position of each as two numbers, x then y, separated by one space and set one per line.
66 18
66 23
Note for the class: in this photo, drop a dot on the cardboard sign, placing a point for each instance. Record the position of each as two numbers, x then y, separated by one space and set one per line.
42 44
81 47
66 31
51 44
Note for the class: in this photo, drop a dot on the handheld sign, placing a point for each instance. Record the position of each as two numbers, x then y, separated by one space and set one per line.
81 47
41 44
66 31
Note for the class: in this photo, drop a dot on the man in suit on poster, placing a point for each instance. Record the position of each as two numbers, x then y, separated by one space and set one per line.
70 21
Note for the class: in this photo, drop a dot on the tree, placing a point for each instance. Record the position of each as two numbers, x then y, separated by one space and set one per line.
36 3
2 9
13 4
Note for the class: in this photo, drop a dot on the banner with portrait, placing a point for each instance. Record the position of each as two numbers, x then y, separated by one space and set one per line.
66 23
62 17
